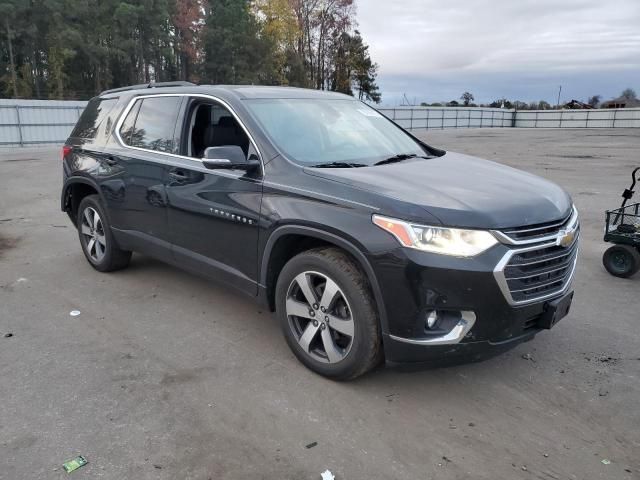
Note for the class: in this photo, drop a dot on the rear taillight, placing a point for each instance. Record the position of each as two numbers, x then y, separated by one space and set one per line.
66 150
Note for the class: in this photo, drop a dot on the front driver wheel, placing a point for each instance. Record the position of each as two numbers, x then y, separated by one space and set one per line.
327 313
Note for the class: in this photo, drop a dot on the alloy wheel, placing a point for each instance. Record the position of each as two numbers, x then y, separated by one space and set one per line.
92 230
320 317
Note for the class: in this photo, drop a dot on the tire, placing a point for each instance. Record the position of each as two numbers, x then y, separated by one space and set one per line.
345 340
621 260
97 241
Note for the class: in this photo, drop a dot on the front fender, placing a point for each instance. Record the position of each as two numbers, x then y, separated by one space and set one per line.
336 240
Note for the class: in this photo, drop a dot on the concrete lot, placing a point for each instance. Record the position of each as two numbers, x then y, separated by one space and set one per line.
166 376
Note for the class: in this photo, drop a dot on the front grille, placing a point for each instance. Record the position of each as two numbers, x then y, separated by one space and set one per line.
541 272
538 266
539 232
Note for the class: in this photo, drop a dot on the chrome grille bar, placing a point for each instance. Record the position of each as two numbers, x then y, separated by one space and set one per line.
508 236
538 268
534 287
539 273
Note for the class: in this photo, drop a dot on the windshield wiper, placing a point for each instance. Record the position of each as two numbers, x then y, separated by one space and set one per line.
338 165
397 158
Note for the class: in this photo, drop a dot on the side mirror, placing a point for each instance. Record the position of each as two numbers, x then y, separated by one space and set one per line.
229 157
224 156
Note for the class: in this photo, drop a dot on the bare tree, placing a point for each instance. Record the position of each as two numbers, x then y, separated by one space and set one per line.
467 98
594 101
629 93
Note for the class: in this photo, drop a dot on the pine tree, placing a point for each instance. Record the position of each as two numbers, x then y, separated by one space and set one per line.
77 48
234 52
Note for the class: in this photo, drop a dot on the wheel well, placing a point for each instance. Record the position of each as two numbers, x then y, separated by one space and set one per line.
287 247
74 195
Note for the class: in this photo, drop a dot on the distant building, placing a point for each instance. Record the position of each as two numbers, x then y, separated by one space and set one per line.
577 105
621 102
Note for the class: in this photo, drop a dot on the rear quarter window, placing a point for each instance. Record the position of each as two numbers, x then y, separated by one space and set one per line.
92 120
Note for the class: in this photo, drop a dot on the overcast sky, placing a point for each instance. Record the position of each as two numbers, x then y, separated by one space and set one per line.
434 50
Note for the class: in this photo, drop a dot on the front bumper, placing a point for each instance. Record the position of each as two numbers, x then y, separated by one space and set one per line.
413 283
401 354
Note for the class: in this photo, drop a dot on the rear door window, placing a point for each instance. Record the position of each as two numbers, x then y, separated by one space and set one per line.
151 124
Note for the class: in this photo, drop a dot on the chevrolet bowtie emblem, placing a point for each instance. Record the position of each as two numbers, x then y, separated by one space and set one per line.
565 237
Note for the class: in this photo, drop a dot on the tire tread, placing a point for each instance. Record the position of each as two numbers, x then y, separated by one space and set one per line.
631 251
115 259
370 324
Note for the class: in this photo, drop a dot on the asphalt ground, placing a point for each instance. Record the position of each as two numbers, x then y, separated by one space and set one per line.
165 375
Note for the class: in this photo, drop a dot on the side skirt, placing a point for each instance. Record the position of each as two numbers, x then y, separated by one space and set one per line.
186 260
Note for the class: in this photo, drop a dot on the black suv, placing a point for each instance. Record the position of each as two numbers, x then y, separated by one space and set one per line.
367 242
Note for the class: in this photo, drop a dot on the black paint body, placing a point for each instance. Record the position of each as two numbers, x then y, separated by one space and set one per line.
229 225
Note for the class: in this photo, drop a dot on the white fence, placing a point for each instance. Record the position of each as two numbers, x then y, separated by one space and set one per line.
37 122
605 118
416 118
40 122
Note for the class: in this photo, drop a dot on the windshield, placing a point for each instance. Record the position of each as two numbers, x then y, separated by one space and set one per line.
316 132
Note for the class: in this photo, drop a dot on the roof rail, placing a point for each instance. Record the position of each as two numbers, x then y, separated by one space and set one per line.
148 85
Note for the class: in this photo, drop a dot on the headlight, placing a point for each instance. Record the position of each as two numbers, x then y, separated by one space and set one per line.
446 241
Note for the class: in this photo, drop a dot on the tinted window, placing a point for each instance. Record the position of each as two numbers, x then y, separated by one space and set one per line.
154 124
92 117
126 131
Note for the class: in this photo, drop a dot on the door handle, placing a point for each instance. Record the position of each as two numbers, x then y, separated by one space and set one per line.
111 161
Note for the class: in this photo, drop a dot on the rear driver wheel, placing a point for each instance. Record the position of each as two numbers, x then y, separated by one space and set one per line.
327 313
96 239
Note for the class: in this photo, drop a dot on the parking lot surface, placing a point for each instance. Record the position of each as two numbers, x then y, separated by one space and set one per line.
164 375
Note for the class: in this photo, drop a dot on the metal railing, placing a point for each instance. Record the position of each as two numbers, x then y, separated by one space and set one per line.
29 122
414 118
597 118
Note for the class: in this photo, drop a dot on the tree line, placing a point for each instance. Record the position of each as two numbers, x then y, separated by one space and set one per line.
62 49
467 101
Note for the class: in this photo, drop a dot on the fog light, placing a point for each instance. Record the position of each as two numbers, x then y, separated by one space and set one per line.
432 318
443 327
440 322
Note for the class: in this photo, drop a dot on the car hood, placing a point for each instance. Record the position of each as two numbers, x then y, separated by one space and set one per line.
461 190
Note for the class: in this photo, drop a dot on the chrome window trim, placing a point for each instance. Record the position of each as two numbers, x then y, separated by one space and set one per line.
571 225
175 155
498 273
457 333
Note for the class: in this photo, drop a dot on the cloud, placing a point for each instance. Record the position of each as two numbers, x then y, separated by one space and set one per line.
502 39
